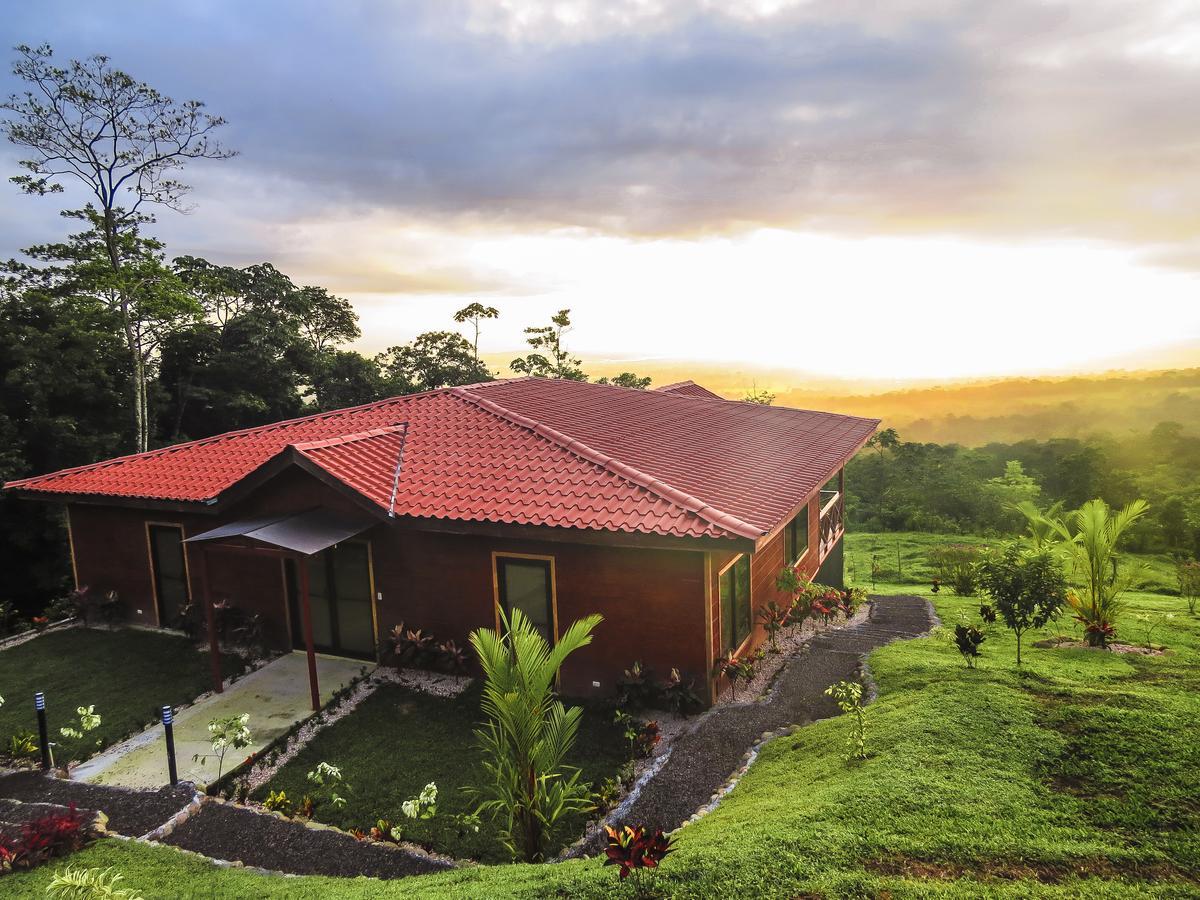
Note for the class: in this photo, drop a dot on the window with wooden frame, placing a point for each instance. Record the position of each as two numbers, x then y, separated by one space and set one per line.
795 538
736 615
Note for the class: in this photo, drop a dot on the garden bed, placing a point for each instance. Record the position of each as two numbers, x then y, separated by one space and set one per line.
130 813
237 834
398 740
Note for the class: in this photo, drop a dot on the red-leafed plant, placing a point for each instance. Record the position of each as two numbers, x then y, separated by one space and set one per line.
773 618
635 850
53 835
735 669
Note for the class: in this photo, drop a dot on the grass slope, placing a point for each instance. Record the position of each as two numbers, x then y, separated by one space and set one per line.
398 740
128 675
1076 776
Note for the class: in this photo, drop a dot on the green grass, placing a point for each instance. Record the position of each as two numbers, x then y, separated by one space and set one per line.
1076 776
1154 571
398 740
128 675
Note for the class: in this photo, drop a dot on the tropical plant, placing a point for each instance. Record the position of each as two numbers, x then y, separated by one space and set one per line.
278 801
679 694
848 696
1026 586
968 638
225 734
1090 537
1151 622
635 688
89 884
451 657
23 744
89 720
954 564
329 785
636 850
734 668
424 805
528 732
1188 572
987 612
1040 531
773 619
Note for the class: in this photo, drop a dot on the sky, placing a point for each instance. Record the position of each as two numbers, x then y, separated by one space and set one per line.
917 189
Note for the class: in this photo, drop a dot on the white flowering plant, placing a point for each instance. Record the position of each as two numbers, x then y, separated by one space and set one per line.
424 805
225 734
328 780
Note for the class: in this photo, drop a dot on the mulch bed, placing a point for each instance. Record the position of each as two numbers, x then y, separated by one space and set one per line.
130 813
237 834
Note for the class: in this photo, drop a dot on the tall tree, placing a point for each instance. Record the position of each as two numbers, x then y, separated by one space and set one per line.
550 358
476 313
126 143
627 380
433 360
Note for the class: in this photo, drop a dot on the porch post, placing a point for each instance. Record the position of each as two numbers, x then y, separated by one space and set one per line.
306 614
210 617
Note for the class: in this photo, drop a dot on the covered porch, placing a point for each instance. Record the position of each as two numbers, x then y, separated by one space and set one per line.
326 578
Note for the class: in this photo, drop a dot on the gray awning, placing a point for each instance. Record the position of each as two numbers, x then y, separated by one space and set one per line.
307 532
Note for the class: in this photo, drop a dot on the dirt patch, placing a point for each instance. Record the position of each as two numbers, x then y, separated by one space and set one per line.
1021 870
236 833
130 813
1068 643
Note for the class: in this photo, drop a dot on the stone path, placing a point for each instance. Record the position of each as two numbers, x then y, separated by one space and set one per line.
276 697
702 760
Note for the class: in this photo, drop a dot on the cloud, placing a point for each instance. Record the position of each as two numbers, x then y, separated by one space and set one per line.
1021 120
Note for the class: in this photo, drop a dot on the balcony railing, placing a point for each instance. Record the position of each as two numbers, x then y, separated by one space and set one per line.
832 520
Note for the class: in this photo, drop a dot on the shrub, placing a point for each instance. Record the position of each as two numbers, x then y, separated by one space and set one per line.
773 619
987 612
418 649
605 794
89 884
424 805
1026 586
968 638
528 732
278 801
225 734
636 850
59 608
451 657
56 834
848 696
679 694
23 745
735 669
635 690
328 785
955 565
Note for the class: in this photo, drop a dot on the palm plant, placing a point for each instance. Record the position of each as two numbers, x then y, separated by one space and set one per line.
528 732
1089 538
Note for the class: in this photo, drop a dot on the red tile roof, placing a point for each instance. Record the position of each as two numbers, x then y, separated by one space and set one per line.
689 389
525 451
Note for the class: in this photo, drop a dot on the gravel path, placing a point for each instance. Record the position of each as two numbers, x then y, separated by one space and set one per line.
131 813
235 833
702 760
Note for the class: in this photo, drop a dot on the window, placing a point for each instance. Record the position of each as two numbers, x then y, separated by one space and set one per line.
735 603
796 537
527 585
169 570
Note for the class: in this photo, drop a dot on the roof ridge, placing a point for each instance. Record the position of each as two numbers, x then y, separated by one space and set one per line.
348 438
659 488
676 384
236 433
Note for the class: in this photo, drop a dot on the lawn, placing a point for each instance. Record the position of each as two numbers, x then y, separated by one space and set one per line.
1076 776
128 675
399 740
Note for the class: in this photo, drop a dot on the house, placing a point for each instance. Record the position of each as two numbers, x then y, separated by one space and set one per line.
670 512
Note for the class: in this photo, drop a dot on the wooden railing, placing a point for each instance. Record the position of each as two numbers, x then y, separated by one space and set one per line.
832 522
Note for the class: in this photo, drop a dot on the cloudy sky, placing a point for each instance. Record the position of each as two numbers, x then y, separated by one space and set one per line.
910 189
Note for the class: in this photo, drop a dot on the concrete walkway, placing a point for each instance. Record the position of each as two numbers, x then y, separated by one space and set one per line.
702 759
276 697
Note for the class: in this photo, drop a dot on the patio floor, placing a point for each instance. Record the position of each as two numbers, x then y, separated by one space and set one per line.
276 697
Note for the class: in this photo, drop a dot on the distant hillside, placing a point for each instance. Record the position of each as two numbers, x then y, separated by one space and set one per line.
1019 408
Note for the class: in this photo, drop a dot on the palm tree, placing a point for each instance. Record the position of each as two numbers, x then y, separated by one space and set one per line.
528 732
1089 537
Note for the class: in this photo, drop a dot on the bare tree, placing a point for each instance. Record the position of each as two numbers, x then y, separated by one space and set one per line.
124 141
